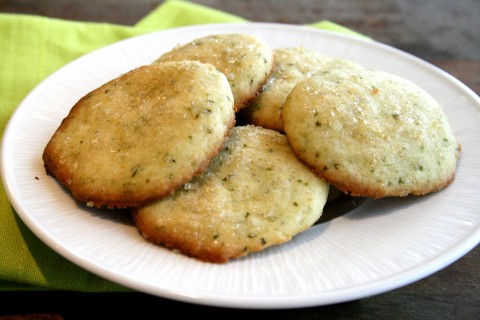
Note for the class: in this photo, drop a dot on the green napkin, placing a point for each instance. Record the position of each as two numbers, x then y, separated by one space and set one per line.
32 48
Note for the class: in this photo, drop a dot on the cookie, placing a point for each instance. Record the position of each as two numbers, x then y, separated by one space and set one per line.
245 60
371 133
140 136
292 65
255 194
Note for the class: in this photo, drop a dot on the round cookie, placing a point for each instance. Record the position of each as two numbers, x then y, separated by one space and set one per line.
142 135
255 194
245 60
292 65
371 133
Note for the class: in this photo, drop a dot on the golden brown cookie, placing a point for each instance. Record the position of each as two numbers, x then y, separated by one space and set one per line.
142 135
292 65
245 60
371 133
255 194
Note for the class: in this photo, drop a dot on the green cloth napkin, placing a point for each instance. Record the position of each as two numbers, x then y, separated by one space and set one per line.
32 48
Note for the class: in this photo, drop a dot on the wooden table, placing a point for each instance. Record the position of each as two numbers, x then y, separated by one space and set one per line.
442 32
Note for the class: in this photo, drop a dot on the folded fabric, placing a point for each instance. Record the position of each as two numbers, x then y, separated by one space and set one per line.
32 48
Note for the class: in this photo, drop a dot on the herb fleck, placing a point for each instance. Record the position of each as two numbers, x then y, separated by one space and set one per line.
134 172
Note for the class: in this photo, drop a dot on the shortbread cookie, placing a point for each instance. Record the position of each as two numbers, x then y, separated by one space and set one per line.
143 134
245 60
371 133
255 194
292 65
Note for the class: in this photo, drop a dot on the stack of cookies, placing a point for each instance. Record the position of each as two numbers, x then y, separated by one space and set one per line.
161 140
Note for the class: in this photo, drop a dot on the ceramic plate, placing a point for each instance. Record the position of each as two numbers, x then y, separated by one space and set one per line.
379 246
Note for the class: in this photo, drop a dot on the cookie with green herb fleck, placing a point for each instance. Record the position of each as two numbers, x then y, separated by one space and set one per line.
255 194
140 136
245 60
292 65
371 133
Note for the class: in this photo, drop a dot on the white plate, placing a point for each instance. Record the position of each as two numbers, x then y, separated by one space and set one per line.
380 246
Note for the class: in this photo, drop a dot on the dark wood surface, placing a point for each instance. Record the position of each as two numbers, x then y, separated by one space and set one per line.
443 32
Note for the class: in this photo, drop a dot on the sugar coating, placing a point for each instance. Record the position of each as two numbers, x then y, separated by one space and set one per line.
371 133
255 194
143 134
245 60
292 64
